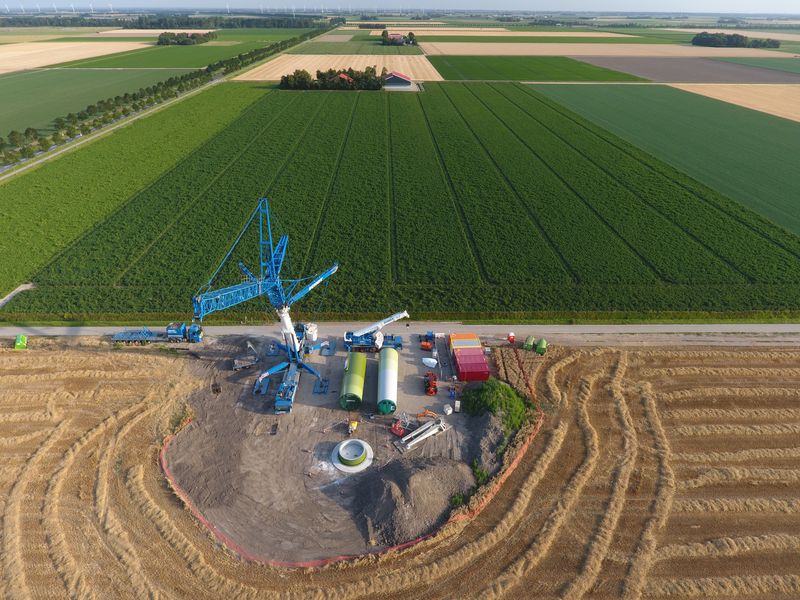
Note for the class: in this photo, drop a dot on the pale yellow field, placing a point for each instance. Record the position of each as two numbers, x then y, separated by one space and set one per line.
17 57
775 35
425 27
504 33
567 49
420 23
415 66
147 32
776 99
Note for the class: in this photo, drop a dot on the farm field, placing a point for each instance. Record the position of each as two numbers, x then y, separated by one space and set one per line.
639 484
773 34
415 66
779 64
560 48
35 98
539 211
523 68
752 162
229 43
45 210
779 100
353 47
19 57
16 35
520 38
689 70
529 35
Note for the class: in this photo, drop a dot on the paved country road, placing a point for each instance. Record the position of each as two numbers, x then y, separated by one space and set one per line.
746 334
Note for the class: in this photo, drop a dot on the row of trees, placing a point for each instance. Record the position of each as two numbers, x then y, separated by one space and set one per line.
388 39
169 38
19 146
732 40
343 79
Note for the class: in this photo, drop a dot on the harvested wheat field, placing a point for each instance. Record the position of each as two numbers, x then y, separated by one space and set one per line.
658 473
415 66
567 49
18 57
775 35
774 99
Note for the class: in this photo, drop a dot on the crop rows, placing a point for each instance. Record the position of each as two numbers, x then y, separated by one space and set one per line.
466 199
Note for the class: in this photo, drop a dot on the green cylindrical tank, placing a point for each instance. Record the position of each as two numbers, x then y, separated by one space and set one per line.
355 368
530 341
387 381
541 346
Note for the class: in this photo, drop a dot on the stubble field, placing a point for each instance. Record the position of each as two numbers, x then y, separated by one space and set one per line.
18 57
659 473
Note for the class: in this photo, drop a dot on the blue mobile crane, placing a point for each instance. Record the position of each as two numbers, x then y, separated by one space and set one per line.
298 340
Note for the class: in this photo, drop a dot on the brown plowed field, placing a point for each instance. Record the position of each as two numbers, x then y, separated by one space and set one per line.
659 473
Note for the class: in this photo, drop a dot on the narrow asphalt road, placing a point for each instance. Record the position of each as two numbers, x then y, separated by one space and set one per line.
574 335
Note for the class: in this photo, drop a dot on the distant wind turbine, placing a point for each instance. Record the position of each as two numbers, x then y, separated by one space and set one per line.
22 8
7 11
91 8
110 8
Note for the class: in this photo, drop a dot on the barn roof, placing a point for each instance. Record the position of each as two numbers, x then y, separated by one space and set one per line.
399 75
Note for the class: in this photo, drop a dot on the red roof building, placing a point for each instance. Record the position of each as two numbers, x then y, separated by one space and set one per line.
398 79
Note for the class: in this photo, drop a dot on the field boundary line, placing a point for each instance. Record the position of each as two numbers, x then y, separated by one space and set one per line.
526 209
660 507
577 194
196 197
312 252
599 133
455 199
747 278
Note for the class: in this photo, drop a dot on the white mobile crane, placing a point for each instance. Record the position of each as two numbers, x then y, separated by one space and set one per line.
372 339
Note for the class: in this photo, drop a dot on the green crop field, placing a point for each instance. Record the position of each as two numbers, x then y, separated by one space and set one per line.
746 154
35 98
523 68
790 65
468 199
366 47
44 211
196 57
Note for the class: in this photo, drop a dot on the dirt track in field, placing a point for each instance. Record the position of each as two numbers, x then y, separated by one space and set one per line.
660 473
18 57
568 49
779 100
415 66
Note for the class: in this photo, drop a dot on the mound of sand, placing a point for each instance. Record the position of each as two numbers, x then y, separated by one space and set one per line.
410 497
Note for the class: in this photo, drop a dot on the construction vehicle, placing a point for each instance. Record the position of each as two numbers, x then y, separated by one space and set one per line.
401 425
299 340
421 433
175 332
431 385
246 361
427 414
372 339
426 341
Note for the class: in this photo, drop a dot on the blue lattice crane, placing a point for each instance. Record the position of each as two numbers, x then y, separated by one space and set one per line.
298 340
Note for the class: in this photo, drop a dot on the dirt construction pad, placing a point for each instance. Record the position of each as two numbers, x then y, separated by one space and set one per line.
567 49
779 100
417 67
18 57
659 473
691 70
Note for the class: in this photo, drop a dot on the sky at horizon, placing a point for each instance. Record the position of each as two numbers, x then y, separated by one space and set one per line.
664 6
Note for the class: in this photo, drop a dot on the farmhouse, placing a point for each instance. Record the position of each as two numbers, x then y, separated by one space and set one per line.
397 79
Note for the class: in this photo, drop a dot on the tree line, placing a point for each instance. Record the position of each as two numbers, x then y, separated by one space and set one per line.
732 40
23 145
169 38
342 79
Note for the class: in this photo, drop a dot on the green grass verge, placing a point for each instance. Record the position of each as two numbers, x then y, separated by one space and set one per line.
46 209
366 47
789 65
523 68
35 98
748 155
